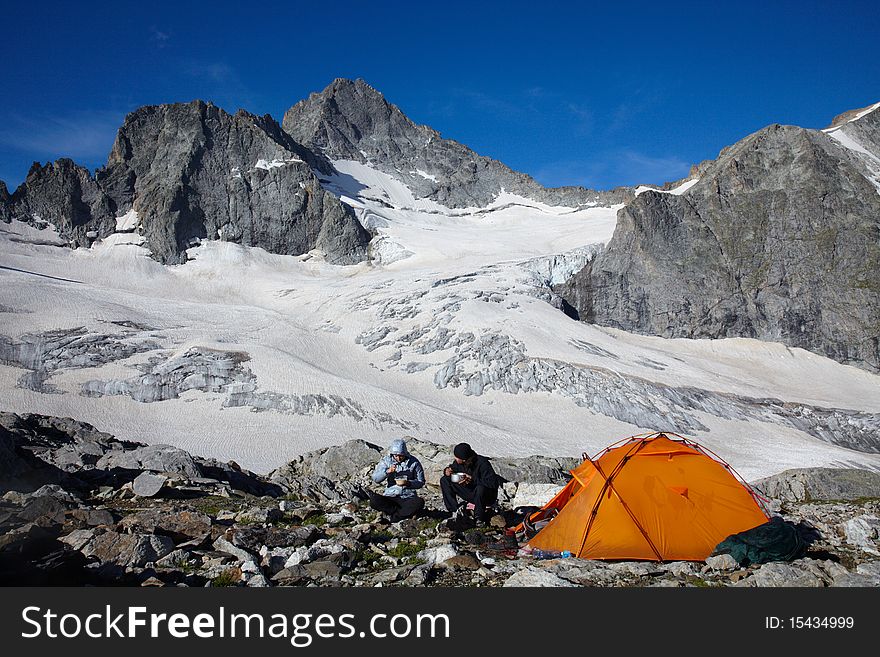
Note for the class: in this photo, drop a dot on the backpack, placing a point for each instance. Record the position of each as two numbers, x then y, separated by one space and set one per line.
535 519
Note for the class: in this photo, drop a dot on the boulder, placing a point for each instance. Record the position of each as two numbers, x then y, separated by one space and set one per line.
180 526
147 484
78 538
223 545
722 562
151 458
437 554
259 515
781 575
537 577
817 484
864 532
128 550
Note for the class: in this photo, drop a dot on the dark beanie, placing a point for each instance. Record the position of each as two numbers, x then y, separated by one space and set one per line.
463 451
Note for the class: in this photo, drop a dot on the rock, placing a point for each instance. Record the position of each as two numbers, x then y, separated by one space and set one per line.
536 577
78 538
683 568
177 559
437 554
781 575
147 484
272 539
857 580
254 185
91 517
290 576
393 575
418 576
223 545
864 532
816 484
259 581
497 521
462 562
259 515
250 567
871 569
866 574
322 570
319 549
180 526
723 562
132 550
152 581
532 494
44 510
328 474
152 458
56 492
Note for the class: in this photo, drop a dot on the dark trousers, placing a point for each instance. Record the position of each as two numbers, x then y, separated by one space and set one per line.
479 496
397 508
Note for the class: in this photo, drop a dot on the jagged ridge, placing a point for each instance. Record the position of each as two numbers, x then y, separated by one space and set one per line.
779 240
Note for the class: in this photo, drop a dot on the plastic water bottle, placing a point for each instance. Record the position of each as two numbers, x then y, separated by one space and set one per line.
551 554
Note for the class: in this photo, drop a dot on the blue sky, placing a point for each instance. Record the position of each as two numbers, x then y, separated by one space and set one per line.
568 92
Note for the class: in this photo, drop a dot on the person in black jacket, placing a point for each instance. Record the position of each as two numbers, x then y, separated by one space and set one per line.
478 485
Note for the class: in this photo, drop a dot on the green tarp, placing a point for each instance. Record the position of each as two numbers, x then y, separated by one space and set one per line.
776 540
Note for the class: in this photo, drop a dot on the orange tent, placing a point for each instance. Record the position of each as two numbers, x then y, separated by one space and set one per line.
655 497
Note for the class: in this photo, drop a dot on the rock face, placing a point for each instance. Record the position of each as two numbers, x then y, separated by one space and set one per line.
778 240
194 171
64 194
349 120
190 172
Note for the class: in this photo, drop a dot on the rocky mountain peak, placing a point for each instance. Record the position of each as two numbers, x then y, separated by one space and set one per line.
350 120
777 241
853 114
192 171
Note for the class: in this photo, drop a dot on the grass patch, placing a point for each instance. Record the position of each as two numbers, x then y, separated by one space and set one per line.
699 583
318 521
368 559
428 523
229 577
381 536
404 550
214 504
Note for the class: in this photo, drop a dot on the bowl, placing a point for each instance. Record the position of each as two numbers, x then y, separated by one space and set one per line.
457 477
400 481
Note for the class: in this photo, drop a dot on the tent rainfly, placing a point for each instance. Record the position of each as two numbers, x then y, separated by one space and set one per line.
653 497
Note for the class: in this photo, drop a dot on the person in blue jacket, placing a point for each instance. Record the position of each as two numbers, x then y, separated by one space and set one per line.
402 474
